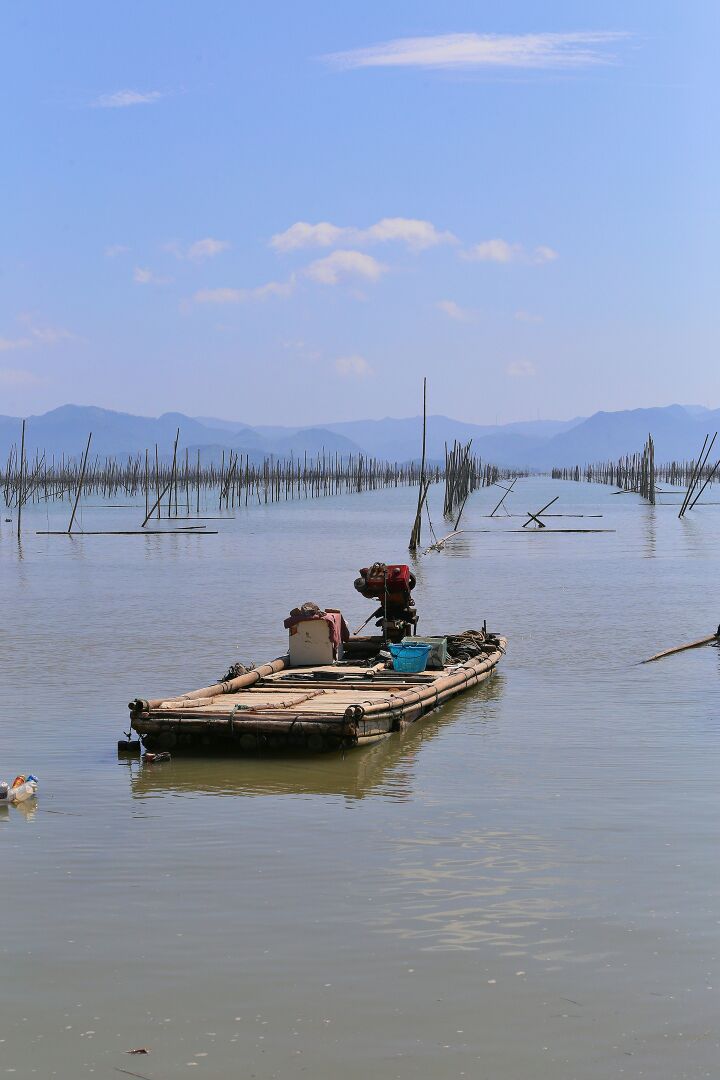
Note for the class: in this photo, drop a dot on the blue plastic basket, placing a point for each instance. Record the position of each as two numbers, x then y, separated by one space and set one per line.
410 657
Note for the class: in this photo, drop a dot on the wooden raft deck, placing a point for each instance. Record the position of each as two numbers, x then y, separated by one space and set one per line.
316 708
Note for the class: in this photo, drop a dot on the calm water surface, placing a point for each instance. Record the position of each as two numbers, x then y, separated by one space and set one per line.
526 885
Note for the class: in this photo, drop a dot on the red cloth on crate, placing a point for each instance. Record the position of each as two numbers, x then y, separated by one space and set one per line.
340 631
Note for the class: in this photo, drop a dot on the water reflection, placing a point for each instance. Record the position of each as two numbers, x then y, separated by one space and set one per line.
386 769
650 533
26 810
699 540
475 887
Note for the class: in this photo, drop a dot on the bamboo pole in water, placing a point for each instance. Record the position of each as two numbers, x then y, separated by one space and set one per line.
20 487
157 480
536 516
80 484
157 502
695 479
507 492
683 648
197 506
709 478
691 482
173 478
422 493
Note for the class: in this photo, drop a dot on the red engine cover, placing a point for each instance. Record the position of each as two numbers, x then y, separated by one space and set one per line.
398 580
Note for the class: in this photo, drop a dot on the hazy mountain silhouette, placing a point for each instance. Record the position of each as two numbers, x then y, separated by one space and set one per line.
678 432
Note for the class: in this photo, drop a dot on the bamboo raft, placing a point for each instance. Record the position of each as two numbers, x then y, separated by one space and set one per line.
317 708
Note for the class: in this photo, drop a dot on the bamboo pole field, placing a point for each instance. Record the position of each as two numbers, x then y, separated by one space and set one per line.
464 474
634 472
631 474
178 485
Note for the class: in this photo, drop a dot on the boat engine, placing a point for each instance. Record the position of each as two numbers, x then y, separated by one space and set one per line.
391 585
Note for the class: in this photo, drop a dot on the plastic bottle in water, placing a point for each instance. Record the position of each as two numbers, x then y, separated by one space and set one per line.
23 788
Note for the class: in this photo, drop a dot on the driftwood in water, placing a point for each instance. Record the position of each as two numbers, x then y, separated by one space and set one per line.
130 532
440 544
683 648
539 532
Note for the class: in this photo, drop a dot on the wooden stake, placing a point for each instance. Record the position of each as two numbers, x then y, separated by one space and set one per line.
20 489
507 492
157 481
422 493
157 502
80 485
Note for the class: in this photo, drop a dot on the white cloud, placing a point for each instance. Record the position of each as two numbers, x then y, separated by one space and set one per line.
417 234
494 251
10 344
520 369
353 367
200 249
454 311
501 251
302 350
207 248
51 335
241 296
114 250
143 276
16 377
414 232
331 270
527 317
344 264
122 99
35 335
448 51
544 254
302 234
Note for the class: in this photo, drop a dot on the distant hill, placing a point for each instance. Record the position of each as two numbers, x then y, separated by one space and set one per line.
65 431
400 439
678 432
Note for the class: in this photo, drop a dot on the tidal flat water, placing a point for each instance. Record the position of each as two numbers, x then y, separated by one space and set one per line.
524 885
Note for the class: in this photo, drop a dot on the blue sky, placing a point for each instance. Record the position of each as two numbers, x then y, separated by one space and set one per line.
291 212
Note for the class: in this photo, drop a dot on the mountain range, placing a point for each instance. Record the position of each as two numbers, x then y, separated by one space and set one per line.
678 431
